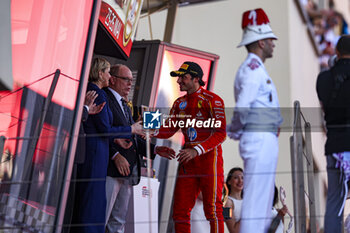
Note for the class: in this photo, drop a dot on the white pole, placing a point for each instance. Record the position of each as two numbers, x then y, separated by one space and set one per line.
148 152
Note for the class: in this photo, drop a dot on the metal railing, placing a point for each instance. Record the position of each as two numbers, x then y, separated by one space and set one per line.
17 213
302 172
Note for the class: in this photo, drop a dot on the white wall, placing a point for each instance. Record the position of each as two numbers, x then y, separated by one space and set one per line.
343 6
304 69
216 28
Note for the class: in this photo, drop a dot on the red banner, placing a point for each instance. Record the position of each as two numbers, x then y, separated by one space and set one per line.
121 21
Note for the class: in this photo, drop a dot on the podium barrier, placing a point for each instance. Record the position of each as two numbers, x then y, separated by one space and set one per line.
143 218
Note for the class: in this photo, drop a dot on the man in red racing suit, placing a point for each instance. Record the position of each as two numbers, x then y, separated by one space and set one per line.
201 117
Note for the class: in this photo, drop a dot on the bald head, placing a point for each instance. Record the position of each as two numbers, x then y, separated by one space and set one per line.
121 79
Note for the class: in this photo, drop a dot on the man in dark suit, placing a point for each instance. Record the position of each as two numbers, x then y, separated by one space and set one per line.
124 168
333 91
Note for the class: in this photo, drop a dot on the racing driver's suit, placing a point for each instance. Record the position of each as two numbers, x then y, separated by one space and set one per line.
201 117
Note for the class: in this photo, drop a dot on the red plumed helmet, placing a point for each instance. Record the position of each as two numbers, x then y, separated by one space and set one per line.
256 26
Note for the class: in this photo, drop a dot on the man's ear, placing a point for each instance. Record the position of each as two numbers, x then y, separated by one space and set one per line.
261 43
337 53
111 80
196 79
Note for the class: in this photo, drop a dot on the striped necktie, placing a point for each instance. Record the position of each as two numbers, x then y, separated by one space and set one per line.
126 111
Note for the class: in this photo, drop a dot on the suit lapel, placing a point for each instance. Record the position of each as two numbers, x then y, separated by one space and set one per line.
115 107
117 112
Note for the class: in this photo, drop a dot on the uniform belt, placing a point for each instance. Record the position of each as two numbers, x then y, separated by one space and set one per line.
261 128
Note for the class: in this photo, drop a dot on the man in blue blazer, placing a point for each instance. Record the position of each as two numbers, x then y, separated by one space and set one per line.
124 168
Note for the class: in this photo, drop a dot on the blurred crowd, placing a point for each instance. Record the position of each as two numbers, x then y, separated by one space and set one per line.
328 25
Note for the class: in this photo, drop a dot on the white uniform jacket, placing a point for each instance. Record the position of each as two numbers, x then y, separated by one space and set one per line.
257 106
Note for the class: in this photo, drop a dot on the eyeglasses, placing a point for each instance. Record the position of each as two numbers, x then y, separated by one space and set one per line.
127 79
